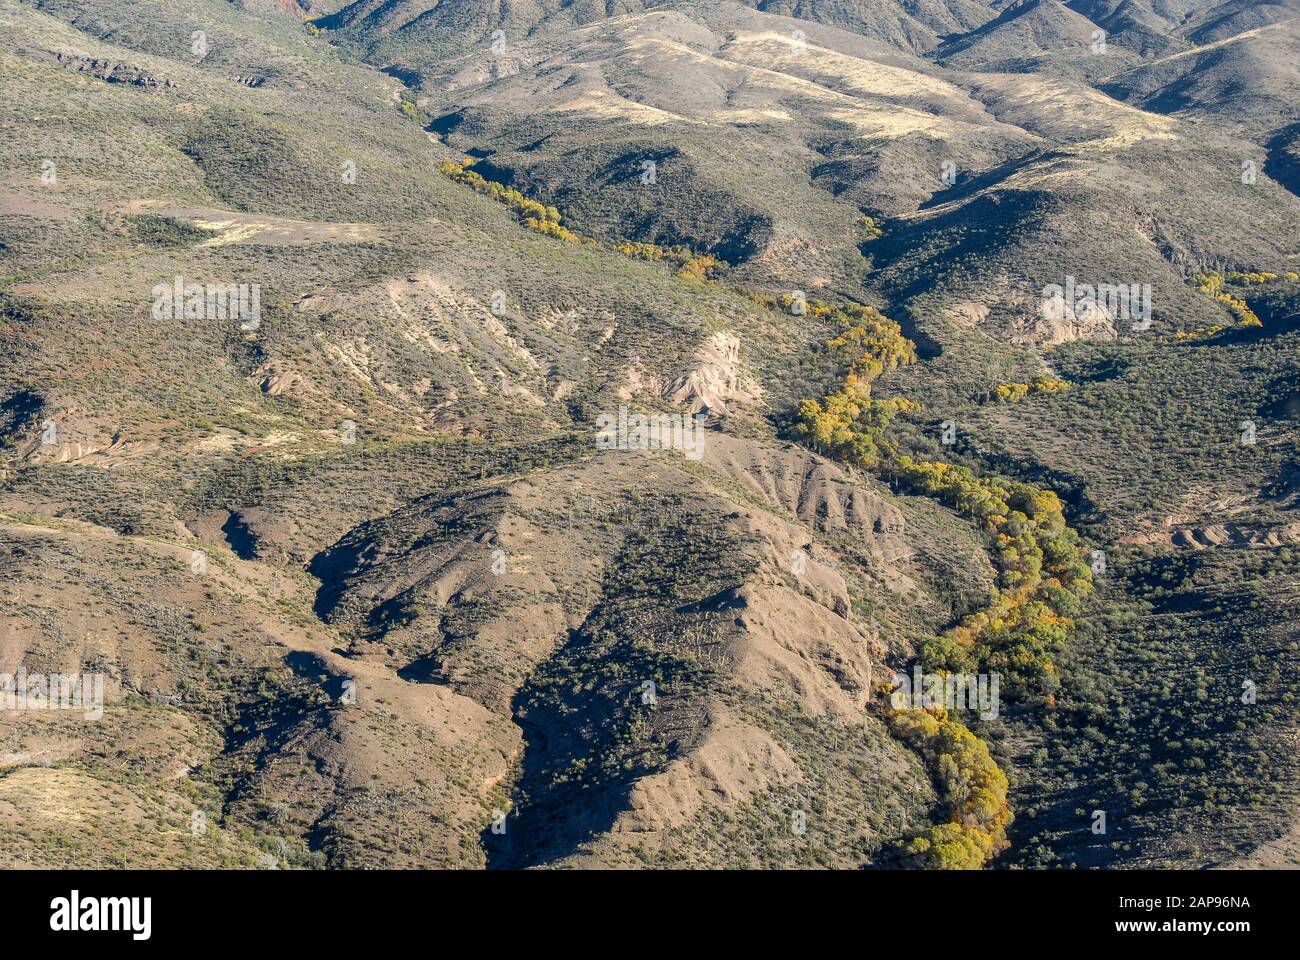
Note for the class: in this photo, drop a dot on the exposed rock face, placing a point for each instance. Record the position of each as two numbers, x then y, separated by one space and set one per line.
1252 536
967 313
715 379
276 378
815 490
61 437
111 72
1059 323
1005 310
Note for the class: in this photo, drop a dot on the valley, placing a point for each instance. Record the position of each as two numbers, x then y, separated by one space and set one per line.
367 590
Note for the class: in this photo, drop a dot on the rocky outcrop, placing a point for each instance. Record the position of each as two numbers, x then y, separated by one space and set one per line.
112 72
714 379
1059 322
1208 536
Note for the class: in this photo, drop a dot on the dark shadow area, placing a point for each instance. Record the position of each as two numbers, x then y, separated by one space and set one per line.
240 538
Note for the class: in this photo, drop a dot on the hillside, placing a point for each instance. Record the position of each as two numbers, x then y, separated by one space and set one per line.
368 584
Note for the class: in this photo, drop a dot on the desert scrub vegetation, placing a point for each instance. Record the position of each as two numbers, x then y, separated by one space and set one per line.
1190 769
591 728
291 165
160 231
856 791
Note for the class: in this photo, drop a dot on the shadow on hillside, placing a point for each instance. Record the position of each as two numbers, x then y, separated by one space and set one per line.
331 567
564 795
1283 165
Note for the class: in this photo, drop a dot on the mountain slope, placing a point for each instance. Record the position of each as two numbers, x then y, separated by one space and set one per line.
367 581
